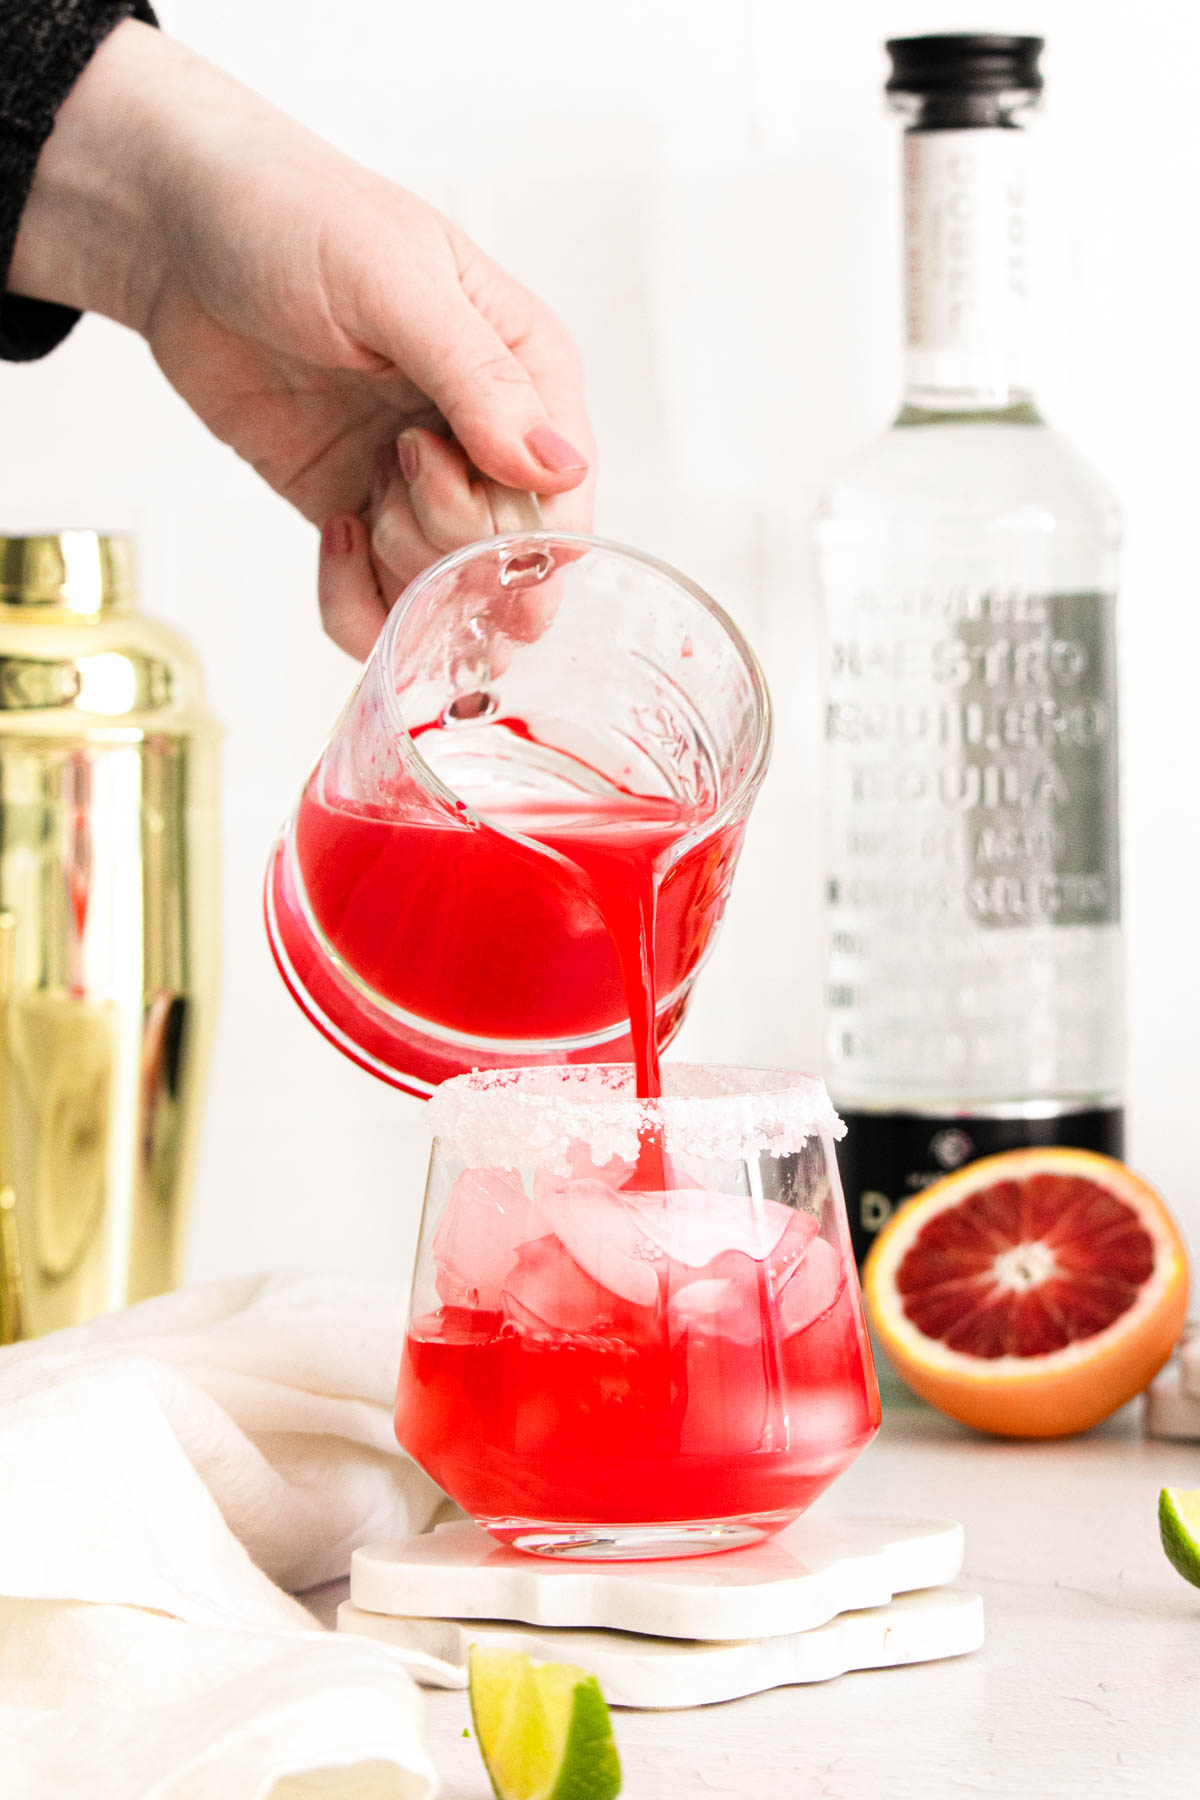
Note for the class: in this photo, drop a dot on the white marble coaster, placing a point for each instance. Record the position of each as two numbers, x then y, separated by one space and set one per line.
672 1672
817 1568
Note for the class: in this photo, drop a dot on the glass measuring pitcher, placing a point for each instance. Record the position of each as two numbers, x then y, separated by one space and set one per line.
544 717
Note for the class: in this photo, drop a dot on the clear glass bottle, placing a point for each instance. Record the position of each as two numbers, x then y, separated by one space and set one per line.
969 571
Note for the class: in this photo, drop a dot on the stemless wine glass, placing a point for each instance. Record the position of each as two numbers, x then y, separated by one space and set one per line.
419 905
598 1368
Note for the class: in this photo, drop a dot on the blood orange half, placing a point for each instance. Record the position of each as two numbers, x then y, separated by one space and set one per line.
1029 1294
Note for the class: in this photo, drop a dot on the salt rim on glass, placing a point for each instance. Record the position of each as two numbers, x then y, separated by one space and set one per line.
506 1118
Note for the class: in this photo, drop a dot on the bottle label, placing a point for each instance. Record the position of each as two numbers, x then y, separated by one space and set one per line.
974 753
967 252
973 889
885 1158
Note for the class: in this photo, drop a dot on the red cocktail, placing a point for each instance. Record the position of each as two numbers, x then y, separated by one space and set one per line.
596 1369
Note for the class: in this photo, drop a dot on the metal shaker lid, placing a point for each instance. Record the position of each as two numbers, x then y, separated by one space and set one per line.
78 656
80 572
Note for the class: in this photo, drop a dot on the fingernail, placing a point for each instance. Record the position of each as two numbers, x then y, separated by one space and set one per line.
337 539
554 452
384 468
409 457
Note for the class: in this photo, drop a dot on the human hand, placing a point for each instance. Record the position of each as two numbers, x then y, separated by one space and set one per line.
341 335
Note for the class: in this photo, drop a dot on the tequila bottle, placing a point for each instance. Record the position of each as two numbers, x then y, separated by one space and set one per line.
969 569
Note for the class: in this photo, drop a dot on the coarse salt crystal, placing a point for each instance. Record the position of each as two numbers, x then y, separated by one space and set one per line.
515 1118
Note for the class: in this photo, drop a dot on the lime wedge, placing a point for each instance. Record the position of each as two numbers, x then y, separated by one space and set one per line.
1179 1527
543 1729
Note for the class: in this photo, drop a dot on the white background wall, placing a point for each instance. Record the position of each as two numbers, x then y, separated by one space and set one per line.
707 192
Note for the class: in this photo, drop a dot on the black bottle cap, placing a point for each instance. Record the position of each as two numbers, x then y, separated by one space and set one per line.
961 78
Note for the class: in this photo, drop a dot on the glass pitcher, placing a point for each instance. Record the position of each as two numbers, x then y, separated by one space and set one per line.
537 707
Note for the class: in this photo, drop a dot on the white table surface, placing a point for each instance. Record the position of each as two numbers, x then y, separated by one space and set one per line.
1087 1687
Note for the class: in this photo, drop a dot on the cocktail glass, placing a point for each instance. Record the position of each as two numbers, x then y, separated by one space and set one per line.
596 1369
538 707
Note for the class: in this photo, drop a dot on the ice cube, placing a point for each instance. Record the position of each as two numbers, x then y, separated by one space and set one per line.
738 1298
692 1225
547 1290
793 1245
730 1300
828 1419
724 1307
487 1217
701 1304
614 1173
600 1229
813 1286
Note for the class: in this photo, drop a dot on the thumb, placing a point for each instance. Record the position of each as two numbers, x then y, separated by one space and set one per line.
507 422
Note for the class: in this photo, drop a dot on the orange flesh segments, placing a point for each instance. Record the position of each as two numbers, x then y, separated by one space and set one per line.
1026 1267
1029 1294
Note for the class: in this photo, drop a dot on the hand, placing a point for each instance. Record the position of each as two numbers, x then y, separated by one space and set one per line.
345 339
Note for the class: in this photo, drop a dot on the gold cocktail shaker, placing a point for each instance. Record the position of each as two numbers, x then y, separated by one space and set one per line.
108 931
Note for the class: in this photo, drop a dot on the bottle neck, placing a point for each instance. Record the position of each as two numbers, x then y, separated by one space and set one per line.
966 242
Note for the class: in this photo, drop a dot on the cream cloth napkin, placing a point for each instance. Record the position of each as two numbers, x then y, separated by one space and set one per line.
168 1476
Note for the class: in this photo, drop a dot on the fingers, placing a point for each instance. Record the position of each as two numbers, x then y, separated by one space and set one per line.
547 352
429 501
404 540
448 507
499 367
489 400
352 608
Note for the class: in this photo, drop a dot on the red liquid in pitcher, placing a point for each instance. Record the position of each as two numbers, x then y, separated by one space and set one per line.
476 933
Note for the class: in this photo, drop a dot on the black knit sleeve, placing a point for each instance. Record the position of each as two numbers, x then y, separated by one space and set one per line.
45 45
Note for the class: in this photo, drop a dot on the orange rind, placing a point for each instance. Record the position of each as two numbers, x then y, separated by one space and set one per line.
1029 1294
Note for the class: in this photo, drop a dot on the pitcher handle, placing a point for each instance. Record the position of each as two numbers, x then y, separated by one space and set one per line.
512 510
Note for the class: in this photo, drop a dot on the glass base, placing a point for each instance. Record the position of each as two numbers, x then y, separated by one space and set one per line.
656 1542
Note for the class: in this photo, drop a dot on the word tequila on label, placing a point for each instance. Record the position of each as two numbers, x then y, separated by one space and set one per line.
969 572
